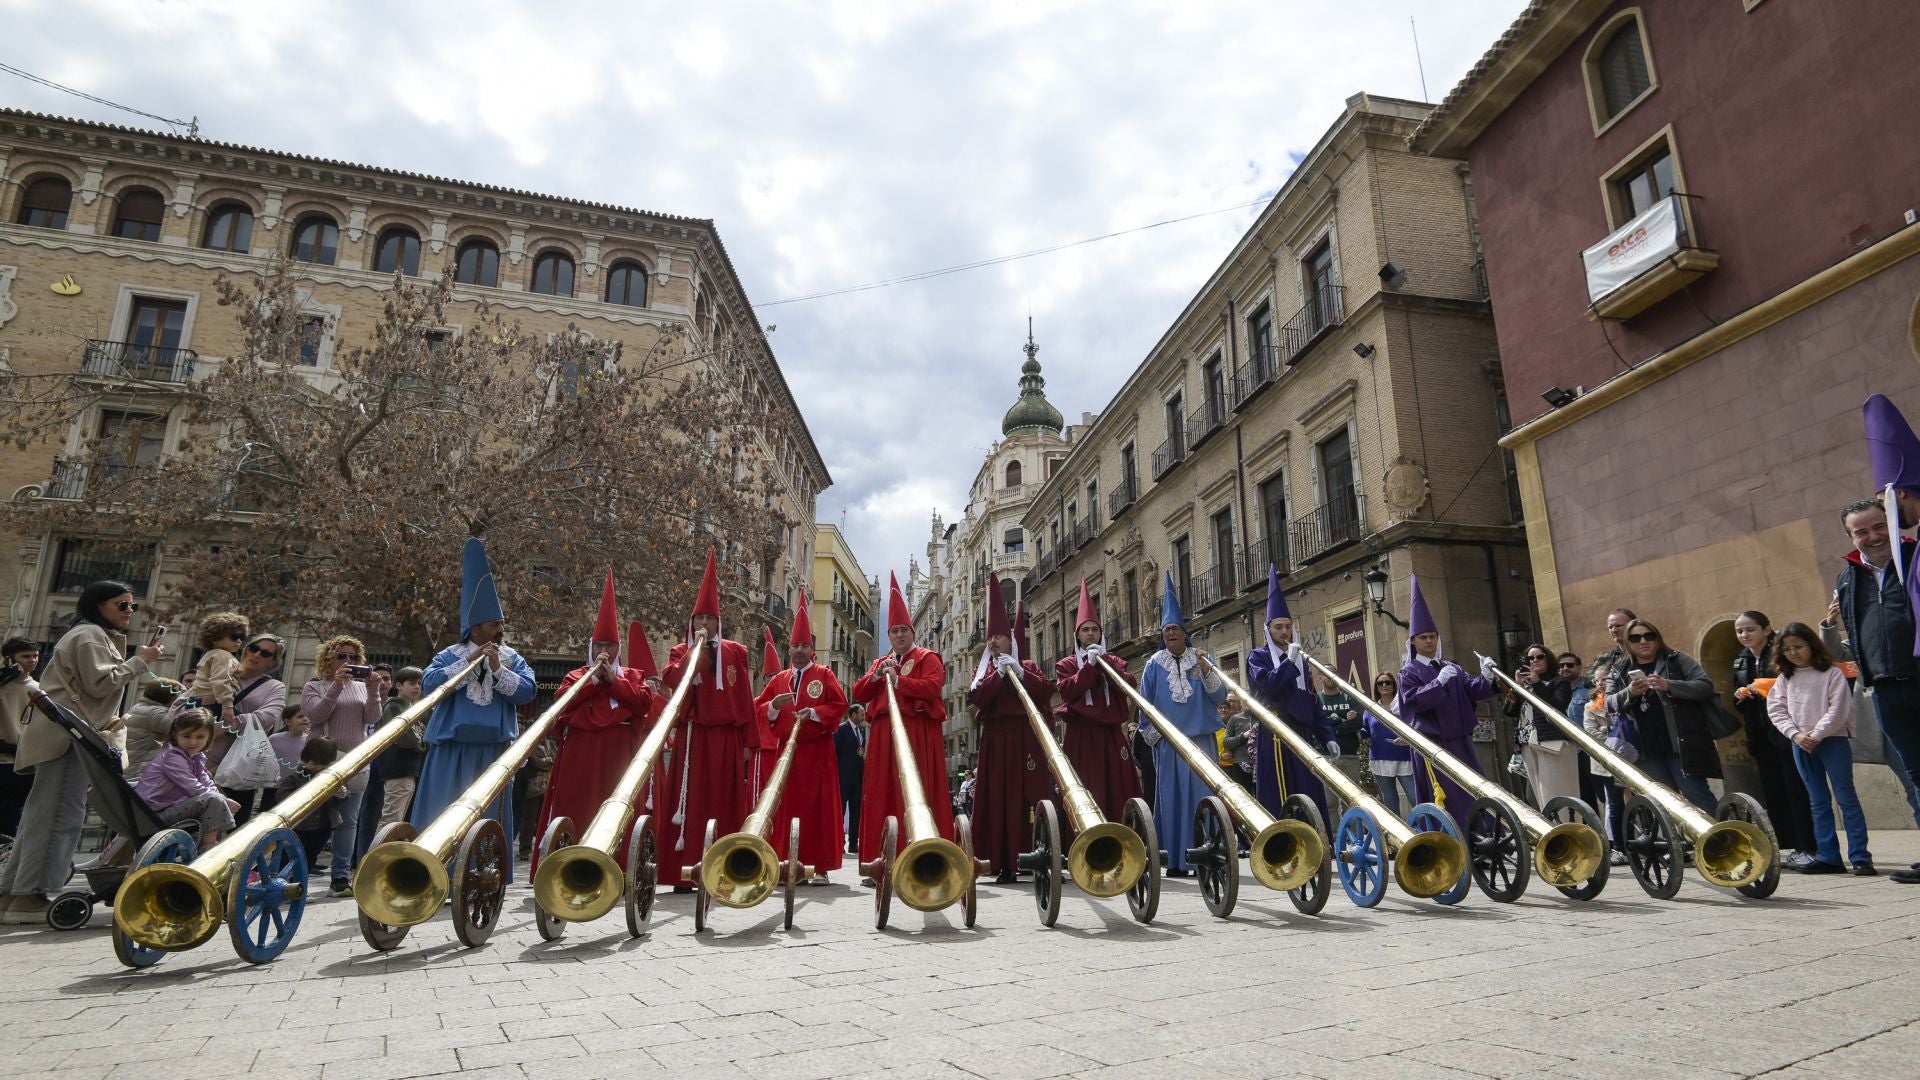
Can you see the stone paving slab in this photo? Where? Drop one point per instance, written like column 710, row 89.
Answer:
column 1817, row 982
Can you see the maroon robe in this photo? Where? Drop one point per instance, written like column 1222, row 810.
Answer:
column 813, row 782
column 710, row 736
column 599, row 734
column 1096, row 743
column 922, row 677
column 1011, row 774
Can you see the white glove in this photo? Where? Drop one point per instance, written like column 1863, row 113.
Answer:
column 1006, row 664
column 1096, row 649
column 1333, row 748
column 1488, row 667
column 1447, row 672
column 1293, row 652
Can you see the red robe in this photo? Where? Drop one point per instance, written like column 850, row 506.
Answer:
column 922, row 676
column 813, row 783
column 763, row 749
column 599, row 734
column 707, row 773
column 1011, row 774
column 1096, row 743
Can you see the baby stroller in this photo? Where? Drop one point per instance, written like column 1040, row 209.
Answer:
column 123, row 811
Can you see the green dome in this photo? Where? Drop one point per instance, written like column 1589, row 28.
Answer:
column 1033, row 413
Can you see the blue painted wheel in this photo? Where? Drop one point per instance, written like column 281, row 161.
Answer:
column 1429, row 818
column 1362, row 858
column 268, row 896
column 166, row 846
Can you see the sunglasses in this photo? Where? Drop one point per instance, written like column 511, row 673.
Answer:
column 1568, row 664
column 128, row 605
column 1639, row 638
column 1538, row 658
column 268, row 653
column 346, row 656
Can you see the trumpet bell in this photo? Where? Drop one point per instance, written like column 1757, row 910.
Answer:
column 1287, row 854
column 740, row 870
column 400, row 883
column 579, row 884
column 1732, row 853
column 931, row 874
column 1107, row 859
column 168, row 906
column 1429, row 864
column 1569, row 854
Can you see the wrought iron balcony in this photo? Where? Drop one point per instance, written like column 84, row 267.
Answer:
column 1334, row 525
column 1657, row 254
column 1117, row 630
column 1258, row 373
column 1206, row 420
column 1266, row 550
column 1169, row 453
column 1326, row 308
column 1122, row 497
column 1220, row 583
column 134, row 360
column 74, row 480
column 1087, row 528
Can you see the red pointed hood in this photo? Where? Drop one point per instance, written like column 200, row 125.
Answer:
column 770, row 657
column 802, row 632
column 997, row 624
column 1086, row 614
column 897, row 613
column 607, row 626
column 708, row 602
column 639, row 653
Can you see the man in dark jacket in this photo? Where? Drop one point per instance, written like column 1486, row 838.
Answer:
column 850, row 749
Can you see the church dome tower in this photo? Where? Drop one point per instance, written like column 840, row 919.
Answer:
column 1033, row 413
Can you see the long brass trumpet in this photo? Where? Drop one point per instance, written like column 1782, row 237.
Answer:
column 402, row 883
column 582, row 881
column 931, row 873
column 172, row 907
column 1567, row 854
column 1731, row 853
column 1426, row 863
column 1105, row 859
column 1285, row 853
column 741, row 868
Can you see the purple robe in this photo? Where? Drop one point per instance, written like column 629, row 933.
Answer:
column 1444, row 713
column 1278, row 688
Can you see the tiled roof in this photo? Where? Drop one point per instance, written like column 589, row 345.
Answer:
column 1494, row 54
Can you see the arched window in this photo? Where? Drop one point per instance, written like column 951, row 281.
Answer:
column 229, row 228
column 1013, row 474
column 316, row 239
column 1618, row 67
column 553, row 273
column 139, row 214
column 46, row 204
column 398, row 249
column 478, row 263
column 627, row 284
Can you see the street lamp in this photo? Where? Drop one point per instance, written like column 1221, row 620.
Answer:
column 1513, row 637
column 1376, row 582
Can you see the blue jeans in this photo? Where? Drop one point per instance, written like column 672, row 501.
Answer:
column 1897, row 764
column 1665, row 769
column 1391, row 788
column 1831, row 765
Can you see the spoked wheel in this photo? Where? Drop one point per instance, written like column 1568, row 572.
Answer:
column 1653, row 847
column 881, row 871
column 1497, row 850
column 379, row 935
column 559, row 834
column 1362, row 859
column 1044, row 861
column 1562, row 809
column 480, row 882
column 969, row 897
column 1144, row 898
column 792, row 874
column 702, row 899
column 269, row 894
column 1308, row 899
column 1216, row 857
column 166, row 846
column 643, row 874
column 1739, row 806
column 1430, row 818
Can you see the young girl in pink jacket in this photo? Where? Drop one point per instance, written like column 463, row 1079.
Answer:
column 1812, row 705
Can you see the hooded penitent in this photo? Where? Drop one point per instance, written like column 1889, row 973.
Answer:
column 897, row 613
column 1895, row 454
column 1419, row 619
column 996, row 627
column 479, row 598
column 708, row 603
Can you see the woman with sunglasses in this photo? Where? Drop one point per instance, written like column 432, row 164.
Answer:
column 259, row 701
column 1666, row 694
column 87, row 672
column 343, row 702
column 1389, row 758
column 1552, row 765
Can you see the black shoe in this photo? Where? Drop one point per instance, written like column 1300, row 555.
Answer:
column 1004, row 877
column 1865, row 869
column 1815, row 866
column 682, row 888
column 1178, row 873
column 1905, row 877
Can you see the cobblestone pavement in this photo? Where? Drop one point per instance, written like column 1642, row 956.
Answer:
column 1816, row 982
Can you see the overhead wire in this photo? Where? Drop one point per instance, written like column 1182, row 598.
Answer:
column 191, row 127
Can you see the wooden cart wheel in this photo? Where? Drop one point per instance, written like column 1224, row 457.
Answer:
column 165, row 846
column 1308, row 899
column 1564, row 808
column 1739, row 806
column 792, row 869
column 882, row 872
column 1363, row 857
column 970, row 896
column 559, row 835
column 1044, row 861
column 1144, row 898
column 480, row 882
column 1654, row 850
column 1216, row 857
column 379, row 935
column 643, row 876
column 268, row 896
column 702, row 899
column 1430, row 818
column 1497, row 850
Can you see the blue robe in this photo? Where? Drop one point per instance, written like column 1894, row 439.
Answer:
column 1177, row 790
column 1278, row 688
column 463, row 737
column 1444, row 713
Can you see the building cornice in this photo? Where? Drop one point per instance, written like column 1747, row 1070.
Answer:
column 1537, row 36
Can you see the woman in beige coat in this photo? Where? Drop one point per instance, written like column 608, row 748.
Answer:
column 87, row 672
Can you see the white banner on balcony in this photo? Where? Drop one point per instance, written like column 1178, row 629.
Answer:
column 1633, row 248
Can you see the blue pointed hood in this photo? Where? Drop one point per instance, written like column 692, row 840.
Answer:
column 1170, row 614
column 479, row 598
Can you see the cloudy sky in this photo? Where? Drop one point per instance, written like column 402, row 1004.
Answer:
column 834, row 145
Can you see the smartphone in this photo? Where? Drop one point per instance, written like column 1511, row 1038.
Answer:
column 158, row 633
column 360, row 671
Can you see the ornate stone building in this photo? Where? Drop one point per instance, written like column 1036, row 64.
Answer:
column 840, row 607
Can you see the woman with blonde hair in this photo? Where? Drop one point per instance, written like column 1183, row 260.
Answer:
column 342, row 702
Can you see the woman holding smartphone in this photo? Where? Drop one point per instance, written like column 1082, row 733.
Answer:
column 343, row 702
column 1666, row 694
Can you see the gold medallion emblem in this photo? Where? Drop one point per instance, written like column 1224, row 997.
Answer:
column 733, row 673
column 906, row 668
column 815, row 688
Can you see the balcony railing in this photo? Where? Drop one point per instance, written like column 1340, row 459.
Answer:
column 1256, row 374
column 1326, row 308
column 776, row 609
column 1329, row 528
column 1122, row 497
column 1220, row 583
column 1169, row 453
column 1647, row 260
column 1266, row 550
column 1206, row 419
column 132, row 360
column 1087, row 528
column 73, row 479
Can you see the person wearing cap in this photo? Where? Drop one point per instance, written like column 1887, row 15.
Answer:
column 918, row 675
column 1277, row 676
column 1095, row 712
column 600, row 731
column 1436, row 699
column 711, row 732
column 803, row 702
column 1188, row 694
column 471, row 727
column 1010, row 774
